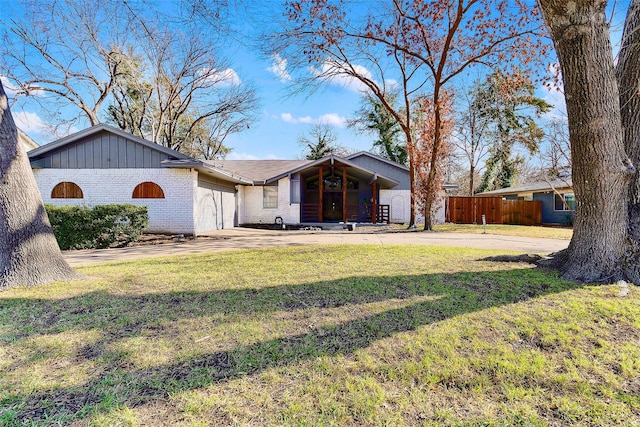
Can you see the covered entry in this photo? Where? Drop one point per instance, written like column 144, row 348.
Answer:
column 335, row 190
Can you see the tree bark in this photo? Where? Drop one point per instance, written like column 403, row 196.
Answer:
column 29, row 252
column 628, row 75
column 601, row 168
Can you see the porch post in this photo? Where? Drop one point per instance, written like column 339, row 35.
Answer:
column 320, row 195
column 344, row 194
column 374, row 200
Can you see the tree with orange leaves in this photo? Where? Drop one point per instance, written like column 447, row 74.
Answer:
column 416, row 48
column 422, row 152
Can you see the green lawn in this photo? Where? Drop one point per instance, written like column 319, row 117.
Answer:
column 320, row 335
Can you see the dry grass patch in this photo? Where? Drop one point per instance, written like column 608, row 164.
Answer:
column 561, row 233
column 320, row 335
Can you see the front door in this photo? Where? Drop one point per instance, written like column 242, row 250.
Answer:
column 332, row 206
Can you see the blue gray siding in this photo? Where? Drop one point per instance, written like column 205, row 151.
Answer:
column 103, row 150
column 549, row 214
column 399, row 173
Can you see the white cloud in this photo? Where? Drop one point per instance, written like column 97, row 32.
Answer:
column 8, row 88
column 38, row 129
column 12, row 90
column 230, row 77
column 331, row 119
column 553, row 94
column 556, row 98
column 224, row 78
column 279, row 68
column 332, row 72
column 32, row 124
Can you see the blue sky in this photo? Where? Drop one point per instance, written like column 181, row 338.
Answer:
column 282, row 118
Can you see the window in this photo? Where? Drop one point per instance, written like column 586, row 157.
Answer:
column 294, row 189
column 269, row 197
column 566, row 202
column 332, row 182
column 66, row 190
column 148, row 190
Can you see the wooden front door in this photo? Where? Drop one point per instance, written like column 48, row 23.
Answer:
column 332, row 206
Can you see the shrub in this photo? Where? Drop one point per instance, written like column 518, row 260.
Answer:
column 80, row 227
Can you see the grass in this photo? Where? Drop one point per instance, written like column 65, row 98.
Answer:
column 320, row 335
column 562, row 233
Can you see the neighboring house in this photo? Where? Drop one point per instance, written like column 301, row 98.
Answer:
column 558, row 200
column 103, row 165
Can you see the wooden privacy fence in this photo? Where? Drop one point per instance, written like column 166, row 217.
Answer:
column 469, row 210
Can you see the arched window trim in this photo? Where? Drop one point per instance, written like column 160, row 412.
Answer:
column 67, row 190
column 147, row 190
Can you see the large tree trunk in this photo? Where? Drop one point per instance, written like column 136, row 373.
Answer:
column 628, row 74
column 601, row 168
column 29, row 252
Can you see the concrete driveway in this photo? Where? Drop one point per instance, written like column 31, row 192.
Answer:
column 243, row 238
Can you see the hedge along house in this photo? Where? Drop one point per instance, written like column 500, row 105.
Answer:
column 558, row 200
column 104, row 165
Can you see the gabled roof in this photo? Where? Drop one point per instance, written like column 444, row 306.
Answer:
column 207, row 169
column 332, row 159
column 269, row 171
column 376, row 157
column 257, row 171
column 174, row 159
column 60, row 143
column 557, row 183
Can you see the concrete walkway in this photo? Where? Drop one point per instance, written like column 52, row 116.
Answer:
column 243, row 238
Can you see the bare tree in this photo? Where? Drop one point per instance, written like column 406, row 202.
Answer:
column 62, row 53
column 178, row 95
column 471, row 139
column 162, row 81
column 320, row 141
column 29, row 252
column 556, row 158
column 422, row 46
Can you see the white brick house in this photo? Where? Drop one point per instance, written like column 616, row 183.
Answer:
column 103, row 165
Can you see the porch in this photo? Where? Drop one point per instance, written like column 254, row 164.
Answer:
column 356, row 213
column 333, row 192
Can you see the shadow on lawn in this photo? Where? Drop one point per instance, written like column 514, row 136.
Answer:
column 119, row 382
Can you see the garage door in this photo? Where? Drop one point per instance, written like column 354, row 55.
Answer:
column 215, row 206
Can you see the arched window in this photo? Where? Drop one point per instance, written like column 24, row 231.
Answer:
column 66, row 190
column 148, row 190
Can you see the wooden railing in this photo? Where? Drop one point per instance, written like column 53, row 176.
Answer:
column 310, row 212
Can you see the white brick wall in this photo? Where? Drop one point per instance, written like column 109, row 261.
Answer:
column 399, row 202
column 401, row 213
column 251, row 209
column 173, row 214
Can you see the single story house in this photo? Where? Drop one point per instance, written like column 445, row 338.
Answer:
column 558, row 200
column 103, row 165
